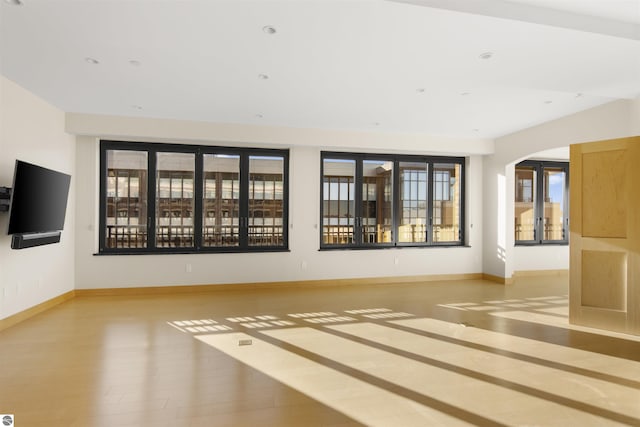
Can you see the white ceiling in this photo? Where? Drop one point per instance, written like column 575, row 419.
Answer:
column 372, row 65
column 616, row 10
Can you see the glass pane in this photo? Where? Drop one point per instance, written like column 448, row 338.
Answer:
column 174, row 200
column 525, row 203
column 413, row 202
column 266, row 211
column 134, row 186
column 221, row 204
column 339, row 204
column 554, row 186
column 377, row 201
column 126, row 222
column 164, row 186
column 446, row 202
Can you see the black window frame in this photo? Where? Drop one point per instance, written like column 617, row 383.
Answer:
column 152, row 148
column 430, row 161
column 539, row 167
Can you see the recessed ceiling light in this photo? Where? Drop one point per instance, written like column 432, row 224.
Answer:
column 259, row 116
column 263, row 76
column 465, row 93
column 548, row 101
column 91, row 61
column 136, row 107
column 14, row 2
column 420, row 90
column 579, row 95
column 376, row 123
column 269, row 29
column 135, row 63
column 486, row 55
column 476, row 130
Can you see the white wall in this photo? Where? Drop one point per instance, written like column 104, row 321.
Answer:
column 614, row 120
column 180, row 131
column 304, row 261
column 635, row 117
column 33, row 130
column 543, row 257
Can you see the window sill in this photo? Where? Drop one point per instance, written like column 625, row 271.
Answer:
column 368, row 248
column 525, row 244
column 191, row 252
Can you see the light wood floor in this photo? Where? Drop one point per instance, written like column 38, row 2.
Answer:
column 450, row 353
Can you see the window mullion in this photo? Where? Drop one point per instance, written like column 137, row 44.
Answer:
column 565, row 214
column 285, row 197
column 102, row 238
column 396, row 212
column 463, row 204
column 151, row 199
column 358, row 182
column 198, row 194
column 430, row 196
column 243, row 217
column 539, row 213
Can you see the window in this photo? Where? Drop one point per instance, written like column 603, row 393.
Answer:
column 338, row 201
column 375, row 201
column 414, row 205
column 221, row 201
column 125, row 201
column 266, row 201
column 541, row 203
column 446, row 202
column 175, row 200
column 180, row 198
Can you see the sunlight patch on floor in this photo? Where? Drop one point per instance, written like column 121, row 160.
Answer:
column 490, row 400
column 361, row 401
column 382, row 367
column 575, row 357
column 534, row 304
column 553, row 381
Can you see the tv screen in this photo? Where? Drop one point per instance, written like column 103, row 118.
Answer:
column 39, row 199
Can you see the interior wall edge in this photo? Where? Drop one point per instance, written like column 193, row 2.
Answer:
column 162, row 290
column 35, row 310
column 532, row 273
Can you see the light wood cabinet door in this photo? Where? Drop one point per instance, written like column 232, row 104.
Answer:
column 604, row 290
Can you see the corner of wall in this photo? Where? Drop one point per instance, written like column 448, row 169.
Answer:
column 33, row 130
column 609, row 121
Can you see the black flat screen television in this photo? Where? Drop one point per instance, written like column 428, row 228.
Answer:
column 38, row 200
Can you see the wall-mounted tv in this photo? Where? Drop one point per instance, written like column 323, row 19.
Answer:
column 38, row 200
